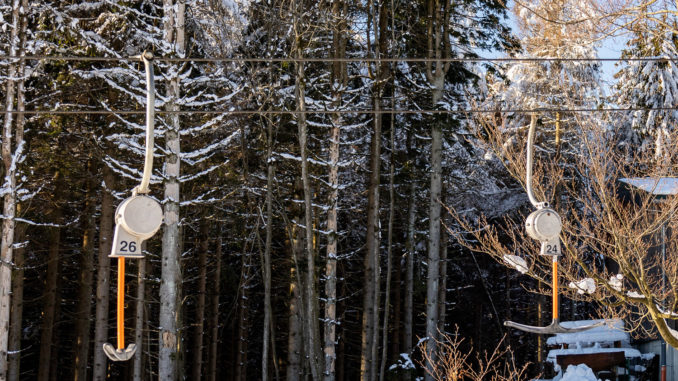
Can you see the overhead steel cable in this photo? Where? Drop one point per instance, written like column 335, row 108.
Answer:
column 348, row 59
column 306, row 112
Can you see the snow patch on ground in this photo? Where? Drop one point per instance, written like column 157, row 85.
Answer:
column 579, row 372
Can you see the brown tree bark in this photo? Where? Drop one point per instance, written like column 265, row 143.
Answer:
column 84, row 305
column 10, row 155
column 199, row 323
column 49, row 310
column 309, row 290
column 442, row 292
column 389, row 253
column 103, row 275
column 16, row 313
column 268, row 341
column 214, row 314
column 410, row 248
column 16, row 309
column 370, row 323
column 140, row 319
column 436, row 70
column 338, row 81
column 295, row 340
column 169, row 364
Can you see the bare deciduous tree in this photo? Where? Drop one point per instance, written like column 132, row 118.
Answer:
column 453, row 361
column 612, row 228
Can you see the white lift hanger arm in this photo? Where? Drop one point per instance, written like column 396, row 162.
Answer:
column 530, row 160
column 143, row 188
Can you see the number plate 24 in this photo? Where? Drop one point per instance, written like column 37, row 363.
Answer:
column 551, row 247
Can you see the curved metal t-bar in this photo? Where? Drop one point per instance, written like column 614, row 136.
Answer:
column 552, row 328
column 555, row 326
column 147, row 58
column 530, row 154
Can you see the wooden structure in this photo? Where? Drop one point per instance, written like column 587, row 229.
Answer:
column 596, row 361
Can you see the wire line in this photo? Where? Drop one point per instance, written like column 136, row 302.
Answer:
column 306, row 112
column 330, row 60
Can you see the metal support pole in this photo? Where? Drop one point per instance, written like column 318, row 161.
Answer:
column 662, row 341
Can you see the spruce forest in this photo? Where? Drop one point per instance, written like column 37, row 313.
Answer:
column 343, row 184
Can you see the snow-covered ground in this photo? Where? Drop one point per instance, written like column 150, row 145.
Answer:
column 579, row 372
column 609, row 337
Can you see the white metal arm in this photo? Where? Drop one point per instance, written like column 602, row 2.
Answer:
column 530, row 154
column 147, row 58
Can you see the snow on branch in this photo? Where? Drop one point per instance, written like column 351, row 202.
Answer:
column 208, row 149
column 584, row 286
column 517, row 263
column 194, row 176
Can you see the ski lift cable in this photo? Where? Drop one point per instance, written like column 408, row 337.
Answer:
column 344, row 60
column 343, row 111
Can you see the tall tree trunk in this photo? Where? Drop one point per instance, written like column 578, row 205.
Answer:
column 370, row 324
column 83, row 309
column 331, row 262
column 442, row 292
column 397, row 309
column 410, row 249
column 243, row 318
column 389, row 252
column 49, row 311
column 341, row 358
column 309, row 292
column 103, row 275
column 438, row 48
column 214, row 314
column 56, row 372
column 371, row 258
column 268, row 341
column 433, row 276
column 9, row 158
column 140, row 319
column 16, row 314
column 246, row 276
column 169, row 362
column 395, row 336
column 296, row 348
column 338, row 80
column 199, row 323
column 294, row 339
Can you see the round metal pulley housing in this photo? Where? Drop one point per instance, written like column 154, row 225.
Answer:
column 543, row 224
column 140, row 216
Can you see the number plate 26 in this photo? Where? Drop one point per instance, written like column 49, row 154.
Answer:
column 125, row 244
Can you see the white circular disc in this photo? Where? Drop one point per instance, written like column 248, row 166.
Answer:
column 140, row 216
column 543, row 224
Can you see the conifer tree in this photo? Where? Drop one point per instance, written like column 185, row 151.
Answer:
column 649, row 84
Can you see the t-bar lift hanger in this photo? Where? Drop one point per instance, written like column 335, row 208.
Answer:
column 137, row 219
column 544, row 225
